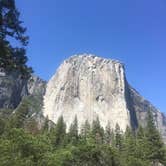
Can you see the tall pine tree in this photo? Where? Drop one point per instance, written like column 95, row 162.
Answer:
column 73, row 132
column 97, row 131
column 118, row 137
column 85, row 130
column 108, row 134
column 156, row 152
column 12, row 58
column 59, row 132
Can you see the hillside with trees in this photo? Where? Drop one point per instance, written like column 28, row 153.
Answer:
column 27, row 145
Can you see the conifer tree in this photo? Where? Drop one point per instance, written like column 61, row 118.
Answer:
column 85, row 130
column 108, row 134
column 118, row 137
column 141, row 143
column 129, row 141
column 156, row 152
column 46, row 125
column 73, row 132
column 21, row 114
column 2, row 125
column 12, row 58
column 59, row 132
column 97, row 131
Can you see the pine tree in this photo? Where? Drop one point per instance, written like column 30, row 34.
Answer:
column 156, row 152
column 2, row 126
column 129, row 146
column 108, row 134
column 73, row 132
column 20, row 115
column 85, row 130
column 141, row 143
column 12, row 58
column 45, row 127
column 97, row 131
column 130, row 141
column 118, row 137
column 59, row 132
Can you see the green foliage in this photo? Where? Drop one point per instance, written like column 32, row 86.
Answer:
column 141, row 144
column 118, row 138
column 55, row 147
column 73, row 132
column 108, row 134
column 58, row 134
column 155, row 146
column 46, row 125
column 2, row 126
column 12, row 58
column 97, row 131
column 20, row 114
column 85, row 130
column 20, row 148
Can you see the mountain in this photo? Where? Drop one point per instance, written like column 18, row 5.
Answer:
column 13, row 88
column 16, row 91
column 88, row 87
column 85, row 86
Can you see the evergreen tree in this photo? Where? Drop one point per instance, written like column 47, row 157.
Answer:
column 12, row 58
column 129, row 146
column 59, row 132
column 129, row 141
column 108, row 134
column 118, row 137
column 156, row 152
column 73, row 132
column 45, row 127
column 17, row 120
column 85, row 130
column 2, row 126
column 97, row 131
column 141, row 144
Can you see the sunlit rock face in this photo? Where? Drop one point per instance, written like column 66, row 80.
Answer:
column 88, row 87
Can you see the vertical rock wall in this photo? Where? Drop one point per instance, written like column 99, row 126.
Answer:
column 88, row 87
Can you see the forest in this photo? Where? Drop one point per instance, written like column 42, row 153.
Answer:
column 26, row 145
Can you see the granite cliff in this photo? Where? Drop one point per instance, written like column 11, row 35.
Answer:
column 85, row 86
column 88, row 87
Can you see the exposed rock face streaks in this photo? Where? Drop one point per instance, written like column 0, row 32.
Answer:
column 85, row 86
column 88, row 87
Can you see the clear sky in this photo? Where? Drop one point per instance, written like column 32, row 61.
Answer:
column 132, row 31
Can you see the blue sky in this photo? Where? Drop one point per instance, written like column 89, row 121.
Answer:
column 132, row 31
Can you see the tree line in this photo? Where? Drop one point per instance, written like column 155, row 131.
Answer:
column 26, row 144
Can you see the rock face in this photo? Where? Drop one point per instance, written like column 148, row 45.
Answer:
column 85, row 86
column 13, row 88
column 140, row 106
column 88, row 87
